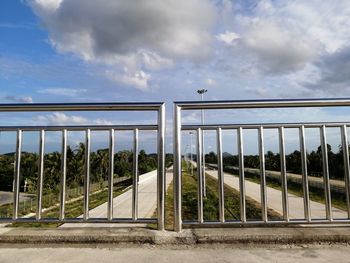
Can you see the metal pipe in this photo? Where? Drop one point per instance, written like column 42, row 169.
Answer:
column 307, row 211
column 345, row 147
column 81, row 128
column 161, row 174
column 40, row 174
column 241, row 175
column 285, row 205
column 262, row 175
column 87, row 174
column 110, row 175
column 177, row 169
column 220, row 176
column 135, row 187
column 17, row 174
column 327, row 188
column 249, row 104
column 63, row 175
column 264, row 125
column 199, row 177
column 127, row 106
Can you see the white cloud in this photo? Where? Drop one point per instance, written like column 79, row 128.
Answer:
column 112, row 31
column 137, row 79
column 62, row 91
column 18, row 99
column 282, row 37
column 61, row 119
column 228, row 37
column 58, row 118
column 210, row 82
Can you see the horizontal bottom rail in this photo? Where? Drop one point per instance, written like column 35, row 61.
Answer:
column 79, row 220
column 292, row 222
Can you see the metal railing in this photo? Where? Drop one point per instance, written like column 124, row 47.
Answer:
column 159, row 127
column 251, row 104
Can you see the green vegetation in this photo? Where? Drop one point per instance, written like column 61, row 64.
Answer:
column 75, row 208
column 293, row 162
column 210, row 202
column 99, row 164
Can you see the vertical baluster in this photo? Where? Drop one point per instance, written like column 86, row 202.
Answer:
column 283, row 175
column 307, row 211
column 87, row 174
column 327, row 187
column 220, row 176
column 241, row 175
column 200, row 175
column 40, row 174
column 345, row 147
column 17, row 174
column 262, row 175
column 110, row 175
column 161, row 176
column 63, row 175
column 135, row 176
column 177, row 170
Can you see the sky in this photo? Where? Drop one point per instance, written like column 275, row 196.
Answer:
column 164, row 50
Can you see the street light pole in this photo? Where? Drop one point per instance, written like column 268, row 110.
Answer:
column 191, row 133
column 201, row 92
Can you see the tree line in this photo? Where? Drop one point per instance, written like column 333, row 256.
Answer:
column 99, row 165
column 293, row 161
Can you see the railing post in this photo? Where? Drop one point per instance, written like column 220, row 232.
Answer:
column 241, row 175
column 262, row 175
column 161, row 174
column 220, row 176
column 345, row 147
column 177, row 169
column 327, row 188
column 17, row 174
column 283, row 175
column 135, row 187
column 87, row 174
column 41, row 174
column 110, row 175
column 199, row 176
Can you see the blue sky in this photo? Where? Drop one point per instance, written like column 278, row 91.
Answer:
column 164, row 50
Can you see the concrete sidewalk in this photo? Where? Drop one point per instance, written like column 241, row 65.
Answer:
column 189, row 237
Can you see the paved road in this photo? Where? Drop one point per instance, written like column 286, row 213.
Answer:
column 7, row 197
column 177, row 254
column 122, row 204
column 274, row 199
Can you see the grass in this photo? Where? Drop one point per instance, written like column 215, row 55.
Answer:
column 210, row 203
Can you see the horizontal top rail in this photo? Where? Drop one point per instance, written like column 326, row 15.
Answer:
column 276, row 103
column 80, row 127
column 112, row 106
column 265, row 125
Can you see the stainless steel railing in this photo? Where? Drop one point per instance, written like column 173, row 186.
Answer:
column 249, row 104
column 159, row 127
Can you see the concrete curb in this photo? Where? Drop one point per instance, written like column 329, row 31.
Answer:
column 296, row 235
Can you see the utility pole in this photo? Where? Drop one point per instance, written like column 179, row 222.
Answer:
column 201, row 92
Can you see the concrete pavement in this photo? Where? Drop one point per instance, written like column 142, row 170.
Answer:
column 274, row 199
column 122, row 204
column 318, row 254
